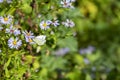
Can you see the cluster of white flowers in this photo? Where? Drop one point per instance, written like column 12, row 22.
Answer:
column 8, row 1
column 44, row 25
column 13, row 30
column 16, row 43
column 67, row 3
column 16, row 40
column 29, row 36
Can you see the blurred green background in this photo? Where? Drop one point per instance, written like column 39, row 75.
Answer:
column 95, row 50
column 99, row 26
column 91, row 53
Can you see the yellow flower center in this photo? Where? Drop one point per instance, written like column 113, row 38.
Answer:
column 28, row 34
column 44, row 24
column 6, row 19
column 14, row 42
column 30, row 40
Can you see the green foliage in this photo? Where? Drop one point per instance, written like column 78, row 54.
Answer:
column 88, row 51
column 70, row 42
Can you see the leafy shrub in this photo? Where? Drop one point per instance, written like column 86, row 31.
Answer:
column 59, row 40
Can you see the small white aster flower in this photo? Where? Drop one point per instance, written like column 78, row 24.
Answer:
column 68, row 23
column 40, row 40
column 0, row 50
column 55, row 23
column 45, row 24
column 71, row 6
column 73, row 0
column 28, row 34
column 1, row 1
column 6, row 19
column 67, row 3
column 13, row 30
column 29, row 40
column 14, row 43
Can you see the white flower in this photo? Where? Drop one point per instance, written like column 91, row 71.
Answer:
column 55, row 23
column 68, row 23
column 45, row 24
column 13, row 30
column 1, row 1
column 67, row 4
column 28, row 34
column 14, row 43
column 6, row 19
column 73, row 0
column 40, row 40
column 29, row 40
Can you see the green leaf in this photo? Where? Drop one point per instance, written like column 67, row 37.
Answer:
column 78, row 59
column 26, row 8
column 69, row 42
column 88, row 77
column 75, row 75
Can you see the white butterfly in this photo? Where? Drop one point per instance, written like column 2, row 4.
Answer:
column 40, row 40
